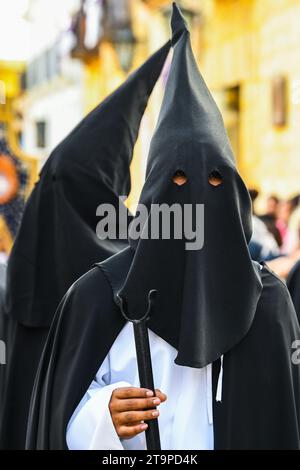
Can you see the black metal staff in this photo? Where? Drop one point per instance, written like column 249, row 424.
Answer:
column 144, row 363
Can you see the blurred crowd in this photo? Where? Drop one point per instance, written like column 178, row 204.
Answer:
column 276, row 232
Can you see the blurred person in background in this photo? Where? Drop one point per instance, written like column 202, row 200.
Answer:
column 272, row 205
column 269, row 218
column 292, row 232
column 263, row 245
column 289, row 223
column 285, row 211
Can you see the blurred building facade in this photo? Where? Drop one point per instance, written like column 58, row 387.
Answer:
column 252, row 55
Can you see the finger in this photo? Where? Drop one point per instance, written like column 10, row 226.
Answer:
column 162, row 396
column 138, row 423
column 127, row 432
column 131, row 417
column 132, row 392
column 135, row 404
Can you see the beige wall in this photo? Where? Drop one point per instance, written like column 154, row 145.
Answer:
column 247, row 43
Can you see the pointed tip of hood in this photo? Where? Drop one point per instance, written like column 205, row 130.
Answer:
column 189, row 112
column 178, row 23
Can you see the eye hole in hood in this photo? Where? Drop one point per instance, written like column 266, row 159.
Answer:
column 179, row 178
column 215, row 178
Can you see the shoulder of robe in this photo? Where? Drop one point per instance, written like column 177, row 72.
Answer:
column 90, row 293
column 275, row 307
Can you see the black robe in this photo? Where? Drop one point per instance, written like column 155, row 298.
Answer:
column 260, row 406
column 293, row 283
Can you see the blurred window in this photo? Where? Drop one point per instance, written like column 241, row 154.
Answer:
column 279, row 101
column 41, row 131
column 117, row 14
column 43, row 68
column 2, row 92
column 52, row 60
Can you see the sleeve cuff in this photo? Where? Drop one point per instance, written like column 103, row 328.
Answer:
column 92, row 428
column 105, row 436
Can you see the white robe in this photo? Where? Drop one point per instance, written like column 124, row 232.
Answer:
column 186, row 418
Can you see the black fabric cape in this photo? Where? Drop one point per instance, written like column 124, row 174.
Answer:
column 293, row 283
column 57, row 239
column 260, row 406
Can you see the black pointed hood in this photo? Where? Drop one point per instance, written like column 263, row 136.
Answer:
column 57, row 239
column 103, row 142
column 206, row 298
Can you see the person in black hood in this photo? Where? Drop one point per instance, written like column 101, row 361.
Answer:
column 221, row 328
column 57, row 240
